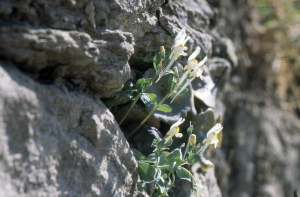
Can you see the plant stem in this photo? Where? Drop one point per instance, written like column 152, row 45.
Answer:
column 173, row 181
column 136, row 99
column 186, row 148
column 157, row 154
column 192, row 177
column 174, row 163
column 148, row 116
column 116, row 101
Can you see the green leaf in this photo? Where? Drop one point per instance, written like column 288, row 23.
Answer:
column 192, row 158
column 190, row 129
column 155, row 141
column 151, row 157
column 179, row 162
column 161, row 144
column 169, row 72
column 176, row 153
column 164, row 176
column 183, row 173
column 169, row 142
column 153, row 98
column 164, row 161
column 167, row 59
column 189, row 148
column 196, row 189
column 197, row 148
column 156, row 62
column 146, row 99
column 137, row 154
column 161, row 185
column 147, row 171
column 147, row 81
column 128, row 87
column 142, row 186
column 168, row 182
column 183, row 91
column 157, row 194
column 140, row 84
column 171, row 82
column 164, row 108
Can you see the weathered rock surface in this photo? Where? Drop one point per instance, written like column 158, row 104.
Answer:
column 260, row 152
column 59, row 143
column 68, row 144
column 263, row 146
column 60, row 140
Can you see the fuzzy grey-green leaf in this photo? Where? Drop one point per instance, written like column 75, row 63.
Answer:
column 147, row 171
column 183, row 173
column 146, row 99
column 192, row 158
column 164, row 108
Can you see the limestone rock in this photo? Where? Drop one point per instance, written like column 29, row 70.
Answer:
column 264, row 149
column 55, row 139
column 57, row 143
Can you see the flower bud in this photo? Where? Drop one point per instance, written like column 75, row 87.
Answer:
column 175, row 70
column 192, row 140
column 162, row 51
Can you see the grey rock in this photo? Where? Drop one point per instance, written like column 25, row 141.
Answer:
column 144, row 139
column 211, row 187
column 262, row 148
column 89, row 47
column 205, row 90
column 58, row 143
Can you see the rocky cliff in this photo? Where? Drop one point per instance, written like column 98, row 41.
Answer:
column 62, row 60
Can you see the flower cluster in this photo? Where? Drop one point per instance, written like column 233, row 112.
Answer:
column 192, row 69
column 161, row 166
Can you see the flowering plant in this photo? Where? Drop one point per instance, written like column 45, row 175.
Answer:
column 161, row 166
column 176, row 84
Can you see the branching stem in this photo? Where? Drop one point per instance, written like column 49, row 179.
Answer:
column 137, row 98
column 149, row 115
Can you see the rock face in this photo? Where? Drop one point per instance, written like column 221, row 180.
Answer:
column 264, row 147
column 260, row 152
column 58, row 143
column 59, row 58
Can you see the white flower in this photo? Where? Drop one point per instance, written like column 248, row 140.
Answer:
column 192, row 62
column 211, row 137
column 174, row 130
column 178, row 50
column 181, row 38
column 197, row 72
